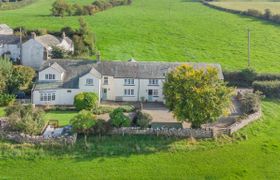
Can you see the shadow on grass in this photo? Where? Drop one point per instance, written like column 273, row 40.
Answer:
column 113, row 146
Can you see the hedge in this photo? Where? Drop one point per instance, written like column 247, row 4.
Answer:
column 270, row 89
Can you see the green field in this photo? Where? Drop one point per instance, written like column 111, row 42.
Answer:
column 244, row 6
column 165, row 30
column 139, row 157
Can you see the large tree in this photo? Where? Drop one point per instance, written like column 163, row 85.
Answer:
column 196, row 95
column 83, row 122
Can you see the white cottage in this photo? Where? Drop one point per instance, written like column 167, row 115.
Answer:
column 10, row 46
column 60, row 80
column 38, row 49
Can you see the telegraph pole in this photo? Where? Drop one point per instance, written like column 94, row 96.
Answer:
column 249, row 46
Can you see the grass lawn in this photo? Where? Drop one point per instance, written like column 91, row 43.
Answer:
column 2, row 112
column 62, row 116
column 138, row 157
column 164, row 30
column 244, row 6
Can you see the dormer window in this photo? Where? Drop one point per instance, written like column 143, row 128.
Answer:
column 128, row 82
column 89, row 82
column 50, row 76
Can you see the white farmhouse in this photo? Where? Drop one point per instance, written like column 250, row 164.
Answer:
column 5, row 29
column 10, row 46
column 60, row 80
column 38, row 49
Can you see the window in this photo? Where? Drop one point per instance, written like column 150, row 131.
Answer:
column 49, row 76
column 106, row 81
column 47, row 96
column 153, row 81
column 129, row 92
column 155, row 92
column 89, row 82
column 129, row 81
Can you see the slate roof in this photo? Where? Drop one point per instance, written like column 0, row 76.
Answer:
column 48, row 40
column 9, row 39
column 74, row 69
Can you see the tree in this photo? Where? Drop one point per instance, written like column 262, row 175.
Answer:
column 60, row 7
column 196, row 95
column 86, row 100
column 6, row 69
column 58, row 52
column 267, row 14
column 21, row 79
column 118, row 119
column 25, row 119
column 87, row 36
column 143, row 119
column 83, row 122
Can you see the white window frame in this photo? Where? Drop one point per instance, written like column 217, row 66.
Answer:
column 129, row 81
column 47, row 97
column 89, row 82
column 129, row 92
column 106, row 81
column 154, row 82
column 50, row 76
column 155, row 93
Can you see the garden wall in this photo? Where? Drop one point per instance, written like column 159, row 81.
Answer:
column 187, row 132
column 24, row 138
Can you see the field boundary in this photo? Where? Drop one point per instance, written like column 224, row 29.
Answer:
column 240, row 12
column 15, row 5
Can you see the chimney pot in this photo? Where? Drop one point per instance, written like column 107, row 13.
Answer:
column 33, row 35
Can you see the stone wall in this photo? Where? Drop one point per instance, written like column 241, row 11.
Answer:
column 187, row 132
column 244, row 122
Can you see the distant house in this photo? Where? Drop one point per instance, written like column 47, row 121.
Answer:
column 60, row 80
column 38, row 49
column 5, row 29
column 10, row 46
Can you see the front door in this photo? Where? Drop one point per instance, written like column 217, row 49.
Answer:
column 104, row 94
column 150, row 95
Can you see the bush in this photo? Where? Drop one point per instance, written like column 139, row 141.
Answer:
column 58, row 53
column 253, row 12
column 143, row 119
column 101, row 127
column 7, row 99
column 86, row 100
column 127, row 108
column 25, row 119
column 267, row 77
column 118, row 119
column 103, row 110
column 270, row 89
column 250, row 102
column 243, row 78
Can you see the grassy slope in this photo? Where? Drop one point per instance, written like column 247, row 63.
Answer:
column 158, row 158
column 147, row 31
column 243, row 6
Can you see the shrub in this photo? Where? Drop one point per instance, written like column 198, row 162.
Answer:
column 58, row 53
column 127, row 108
column 270, row 89
column 7, row 99
column 86, row 100
column 253, row 12
column 103, row 110
column 101, row 127
column 25, row 119
column 250, row 102
column 143, row 119
column 267, row 77
column 119, row 119
column 243, row 78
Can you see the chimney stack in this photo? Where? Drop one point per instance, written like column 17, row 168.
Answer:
column 63, row 35
column 98, row 56
column 33, row 35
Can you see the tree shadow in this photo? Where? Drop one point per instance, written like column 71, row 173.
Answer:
column 113, row 147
